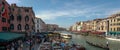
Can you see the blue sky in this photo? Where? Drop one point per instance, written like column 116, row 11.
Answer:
column 66, row 12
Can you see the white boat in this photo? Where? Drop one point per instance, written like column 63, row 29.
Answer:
column 66, row 35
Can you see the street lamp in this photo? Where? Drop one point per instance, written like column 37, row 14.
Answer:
column 107, row 28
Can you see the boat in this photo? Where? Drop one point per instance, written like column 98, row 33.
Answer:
column 66, row 35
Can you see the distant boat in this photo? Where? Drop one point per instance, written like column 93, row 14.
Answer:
column 66, row 35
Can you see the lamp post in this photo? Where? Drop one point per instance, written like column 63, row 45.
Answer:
column 107, row 27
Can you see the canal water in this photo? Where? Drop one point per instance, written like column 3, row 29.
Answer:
column 79, row 39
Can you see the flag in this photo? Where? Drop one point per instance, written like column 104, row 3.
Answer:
column 3, row 11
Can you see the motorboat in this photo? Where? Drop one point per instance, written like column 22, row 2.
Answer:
column 66, row 35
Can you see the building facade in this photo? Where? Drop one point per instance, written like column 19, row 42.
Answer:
column 21, row 19
column 4, row 16
column 40, row 25
column 87, row 25
column 114, row 22
column 95, row 24
column 52, row 27
column 102, row 25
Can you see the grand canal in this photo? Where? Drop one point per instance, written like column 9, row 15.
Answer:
column 79, row 39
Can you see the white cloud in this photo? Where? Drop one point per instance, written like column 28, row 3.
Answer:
column 13, row 1
column 54, row 14
column 69, row 11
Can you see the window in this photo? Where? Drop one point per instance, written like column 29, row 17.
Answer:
column 3, row 3
column 111, row 29
column 111, row 24
column 37, row 26
column 26, row 18
column 102, row 27
column 26, row 10
column 26, row 27
column 3, row 19
column 0, row 14
column 4, row 28
column 118, row 29
column 118, row 19
column 19, row 17
column 114, row 29
column 11, row 17
column 11, row 27
column 118, row 23
column 9, row 8
column 19, row 26
column 8, row 21
column 13, row 9
column 32, row 27
column 19, row 10
column 37, row 21
column 114, row 20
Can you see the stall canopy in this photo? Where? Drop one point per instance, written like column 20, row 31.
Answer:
column 114, row 33
column 118, row 33
column 98, row 32
column 8, row 36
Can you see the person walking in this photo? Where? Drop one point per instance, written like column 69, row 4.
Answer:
column 107, row 44
column 63, row 45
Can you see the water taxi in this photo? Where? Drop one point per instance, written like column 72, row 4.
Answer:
column 66, row 35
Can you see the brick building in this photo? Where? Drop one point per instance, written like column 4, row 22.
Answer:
column 21, row 19
column 4, row 15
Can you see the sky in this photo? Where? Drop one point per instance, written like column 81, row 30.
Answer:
column 66, row 12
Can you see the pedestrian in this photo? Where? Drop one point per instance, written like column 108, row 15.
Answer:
column 12, row 46
column 107, row 43
column 33, row 47
column 62, row 45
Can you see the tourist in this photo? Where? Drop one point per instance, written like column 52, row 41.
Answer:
column 107, row 43
column 16, row 46
column 8, row 47
column 62, row 45
column 12, row 46
column 33, row 47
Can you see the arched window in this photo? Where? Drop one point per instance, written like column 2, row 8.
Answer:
column 11, row 27
column 26, row 18
column 26, row 27
column 11, row 17
column 19, row 18
column 19, row 27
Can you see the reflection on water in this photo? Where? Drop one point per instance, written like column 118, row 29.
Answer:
column 78, row 39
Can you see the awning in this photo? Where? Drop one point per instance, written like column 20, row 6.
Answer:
column 114, row 33
column 8, row 36
column 118, row 33
column 97, row 32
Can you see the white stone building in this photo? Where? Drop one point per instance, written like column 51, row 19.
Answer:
column 39, row 25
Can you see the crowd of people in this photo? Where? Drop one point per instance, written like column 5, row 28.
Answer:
column 21, row 44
